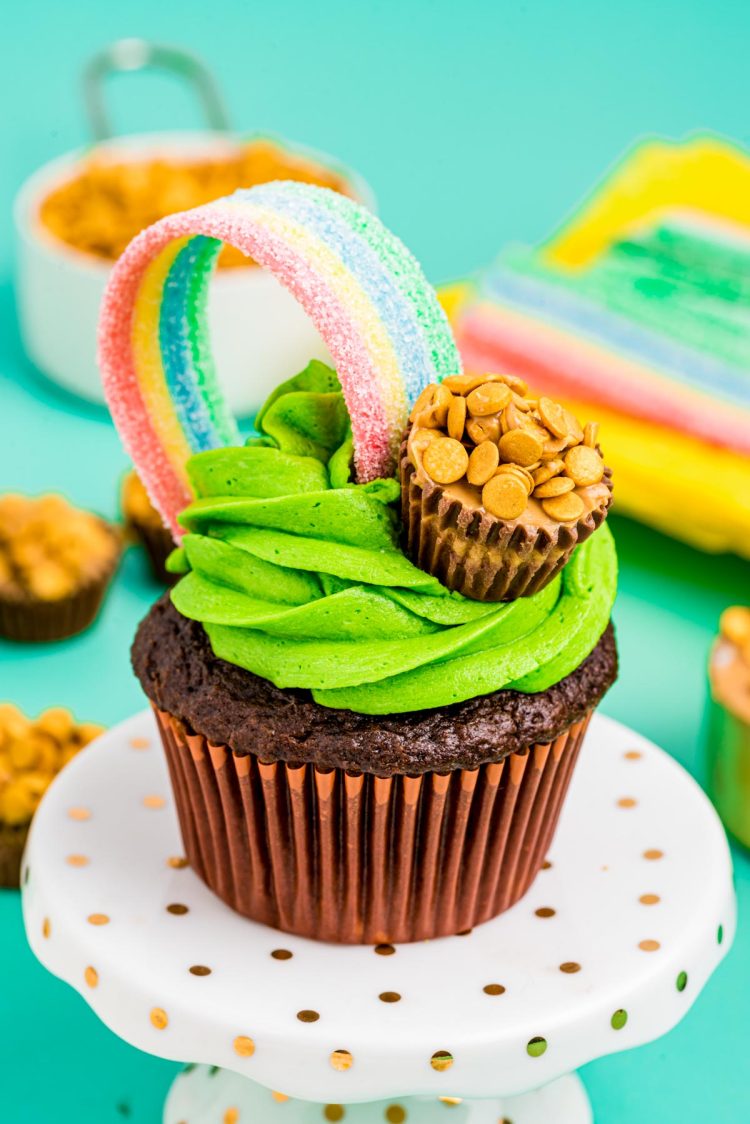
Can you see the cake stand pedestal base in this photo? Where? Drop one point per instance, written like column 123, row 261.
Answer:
column 208, row 1095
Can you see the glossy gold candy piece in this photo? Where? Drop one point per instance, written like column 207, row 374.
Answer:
column 504, row 496
column 548, row 470
column 584, row 466
column 519, row 472
column 483, row 429
column 574, row 427
column 490, row 398
column 519, row 446
column 565, row 508
column 556, row 486
column 553, row 416
column 445, row 461
column 515, row 382
column 457, row 417
column 482, row 463
column 431, row 408
column 591, row 434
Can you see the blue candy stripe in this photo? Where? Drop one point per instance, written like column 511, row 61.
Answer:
column 681, row 365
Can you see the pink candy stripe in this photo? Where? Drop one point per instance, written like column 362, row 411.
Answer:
column 120, row 378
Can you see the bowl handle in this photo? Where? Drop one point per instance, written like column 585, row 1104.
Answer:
column 139, row 54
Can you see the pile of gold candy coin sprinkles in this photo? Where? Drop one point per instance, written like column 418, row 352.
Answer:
column 485, row 431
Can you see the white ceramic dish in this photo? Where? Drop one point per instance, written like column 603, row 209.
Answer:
column 260, row 335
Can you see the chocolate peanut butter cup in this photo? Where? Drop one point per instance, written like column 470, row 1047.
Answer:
column 498, row 488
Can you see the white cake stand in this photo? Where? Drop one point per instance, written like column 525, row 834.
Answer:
column 608, row 950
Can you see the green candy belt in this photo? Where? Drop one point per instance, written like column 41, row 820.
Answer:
column 297, row 576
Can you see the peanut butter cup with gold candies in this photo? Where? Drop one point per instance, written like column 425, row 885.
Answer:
column 496, row 503
column 55, row 564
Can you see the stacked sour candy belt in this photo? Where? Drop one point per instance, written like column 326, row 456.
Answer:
column 637, row 312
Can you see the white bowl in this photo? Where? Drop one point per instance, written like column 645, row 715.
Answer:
column 259, row 334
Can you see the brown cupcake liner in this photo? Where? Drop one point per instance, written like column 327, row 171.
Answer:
column 35, row 621
column 12, row 844
column 158, row 545
column 477, row 554
column 361, row 859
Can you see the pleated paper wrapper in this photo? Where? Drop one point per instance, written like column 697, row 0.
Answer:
column 361, row 859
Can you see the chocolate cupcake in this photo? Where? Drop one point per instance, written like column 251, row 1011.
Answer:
column 357, row 752
column 144, row 525
column 498, row 488
column 56, row 562
column 729, row 721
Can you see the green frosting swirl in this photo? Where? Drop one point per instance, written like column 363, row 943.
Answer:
column 296, row 574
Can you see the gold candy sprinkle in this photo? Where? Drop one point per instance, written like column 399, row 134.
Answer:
column 556, row 486
column 483, row 429
column 591, row 434
column 584, row 466
column 446, row 461
column 519, row 446
column 564, row 508
column 457, row 418
column 483, row 461
column 553, row 416
column 546, row 471
column 504, row 496
column 490, row 398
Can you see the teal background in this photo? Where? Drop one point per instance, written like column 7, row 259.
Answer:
column 476, row 123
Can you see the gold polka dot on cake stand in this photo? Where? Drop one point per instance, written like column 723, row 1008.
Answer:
column 546, row 865
column 154, row 801
column 649, row 946
column 244, row 1047
column 633, row 755
column 384, row 950
column 389, row 997
column 282, row 954
column 545, row 911
column 231, row 1116
column 98, row 919
column 341, row 1060
column 199, row 970
column 91, row 976
column 451, row 1102
column 140, row 743
column 653, row 854
column 441, row 1060
column 78, row 860
column 280, row 1098
column 395, row 1114
column 649, row 899
column 79, row 814
column 493, row 989
column 570, row 967
column 46, row 928
column 308, row 1016
column 159, row 1018
column 177, row 909
column 627, row 802
column 177, row 862
column 334, row 1112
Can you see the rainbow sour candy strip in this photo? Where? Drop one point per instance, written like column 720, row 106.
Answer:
column 360, row 286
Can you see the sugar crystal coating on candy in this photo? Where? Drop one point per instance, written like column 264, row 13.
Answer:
column 362, row 289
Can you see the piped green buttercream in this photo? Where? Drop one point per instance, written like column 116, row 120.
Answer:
column 297, row 575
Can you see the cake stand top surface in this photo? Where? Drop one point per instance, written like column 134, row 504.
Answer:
column 607, row 950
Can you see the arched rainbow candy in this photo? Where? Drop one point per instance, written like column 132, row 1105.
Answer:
column 361, row 287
